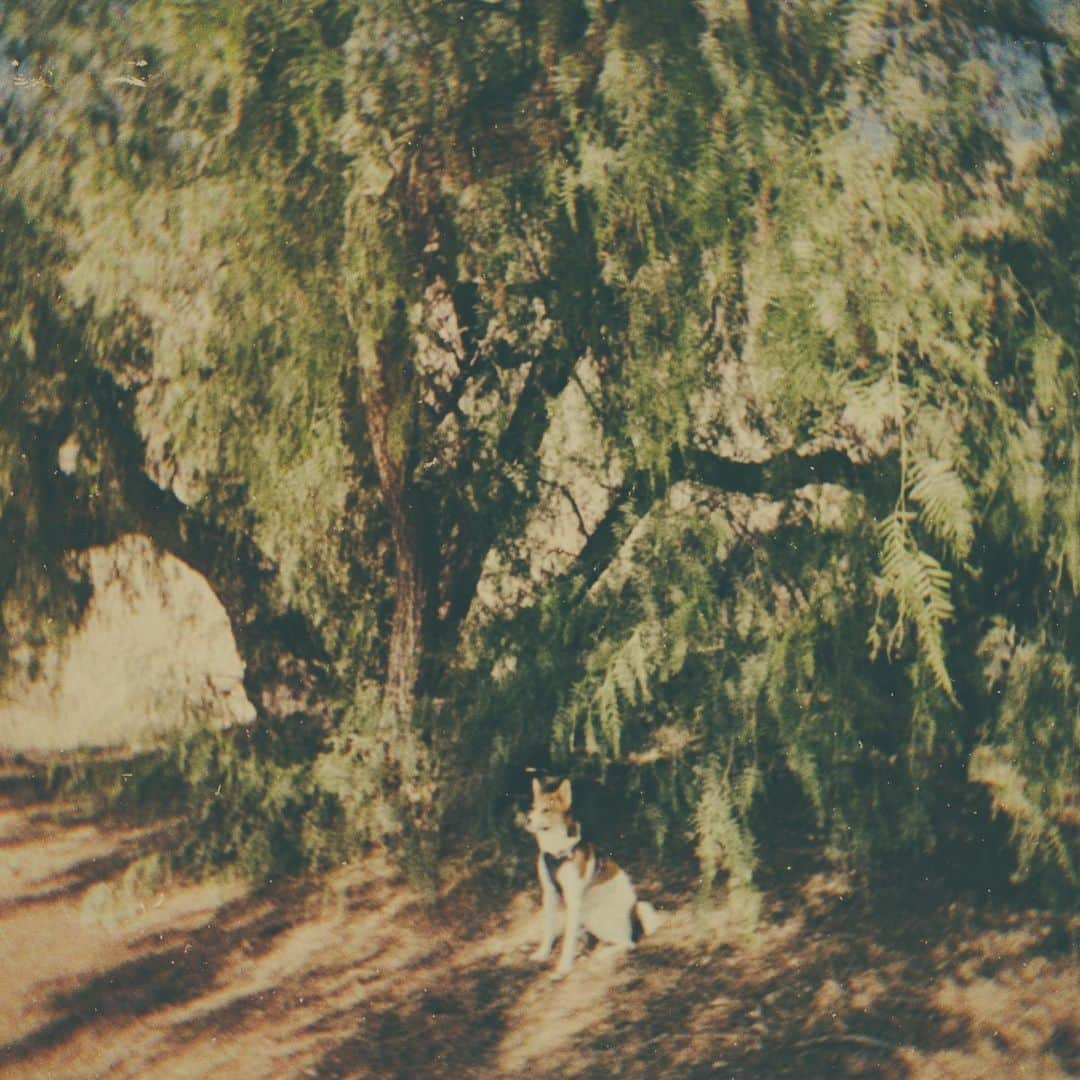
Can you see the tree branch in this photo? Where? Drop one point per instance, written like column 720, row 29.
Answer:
column 519, row 442
column 777, row 478
column 281, row 650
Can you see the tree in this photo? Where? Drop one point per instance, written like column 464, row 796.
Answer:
column 792, row 276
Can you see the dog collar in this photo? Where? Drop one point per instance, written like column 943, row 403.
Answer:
column 554, row 859
column 559, row 857
column 572, row 841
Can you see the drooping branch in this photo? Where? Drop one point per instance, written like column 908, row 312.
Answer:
column 283, row 655
column 777, row 478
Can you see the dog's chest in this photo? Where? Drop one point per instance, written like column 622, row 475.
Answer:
column 590, row 865
column 553, row 864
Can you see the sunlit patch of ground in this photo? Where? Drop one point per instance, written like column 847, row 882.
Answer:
column 1018, row 1004
column 155, row 648
column 107, row 971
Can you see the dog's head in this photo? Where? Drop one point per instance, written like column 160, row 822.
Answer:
column 550, row 808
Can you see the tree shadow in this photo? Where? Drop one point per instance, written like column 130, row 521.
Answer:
column 22, row 784
column 453, row 1030
column 79, row 877
column 380, row 984
column 686, row 1012
column 802, row 1008
column 169, row 976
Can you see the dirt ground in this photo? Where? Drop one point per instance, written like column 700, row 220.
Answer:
column 106, row 971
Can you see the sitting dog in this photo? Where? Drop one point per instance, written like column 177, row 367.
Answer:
column 596, row 893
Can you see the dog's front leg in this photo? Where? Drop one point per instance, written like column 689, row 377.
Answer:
column 573, row 895
column 550, row 899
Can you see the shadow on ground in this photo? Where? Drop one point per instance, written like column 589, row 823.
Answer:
column 358, row 978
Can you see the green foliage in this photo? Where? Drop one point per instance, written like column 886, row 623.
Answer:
column 250, row 803
column 733, row 655
column 335, row 269
column 920, row 586
column 1028, row 759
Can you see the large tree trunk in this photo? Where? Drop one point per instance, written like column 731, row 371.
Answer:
column 412, row 626
column 410, row 772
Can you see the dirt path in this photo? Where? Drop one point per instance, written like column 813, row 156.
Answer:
column 105, row 973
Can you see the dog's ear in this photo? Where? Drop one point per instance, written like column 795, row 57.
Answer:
column 538, row 790
column 564, row 794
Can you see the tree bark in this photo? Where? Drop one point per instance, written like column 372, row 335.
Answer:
column 390, row 413
column 412, row 580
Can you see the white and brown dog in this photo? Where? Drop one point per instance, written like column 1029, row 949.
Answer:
column 596, row 893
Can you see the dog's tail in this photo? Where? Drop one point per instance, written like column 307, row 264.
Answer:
column 644, row 919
